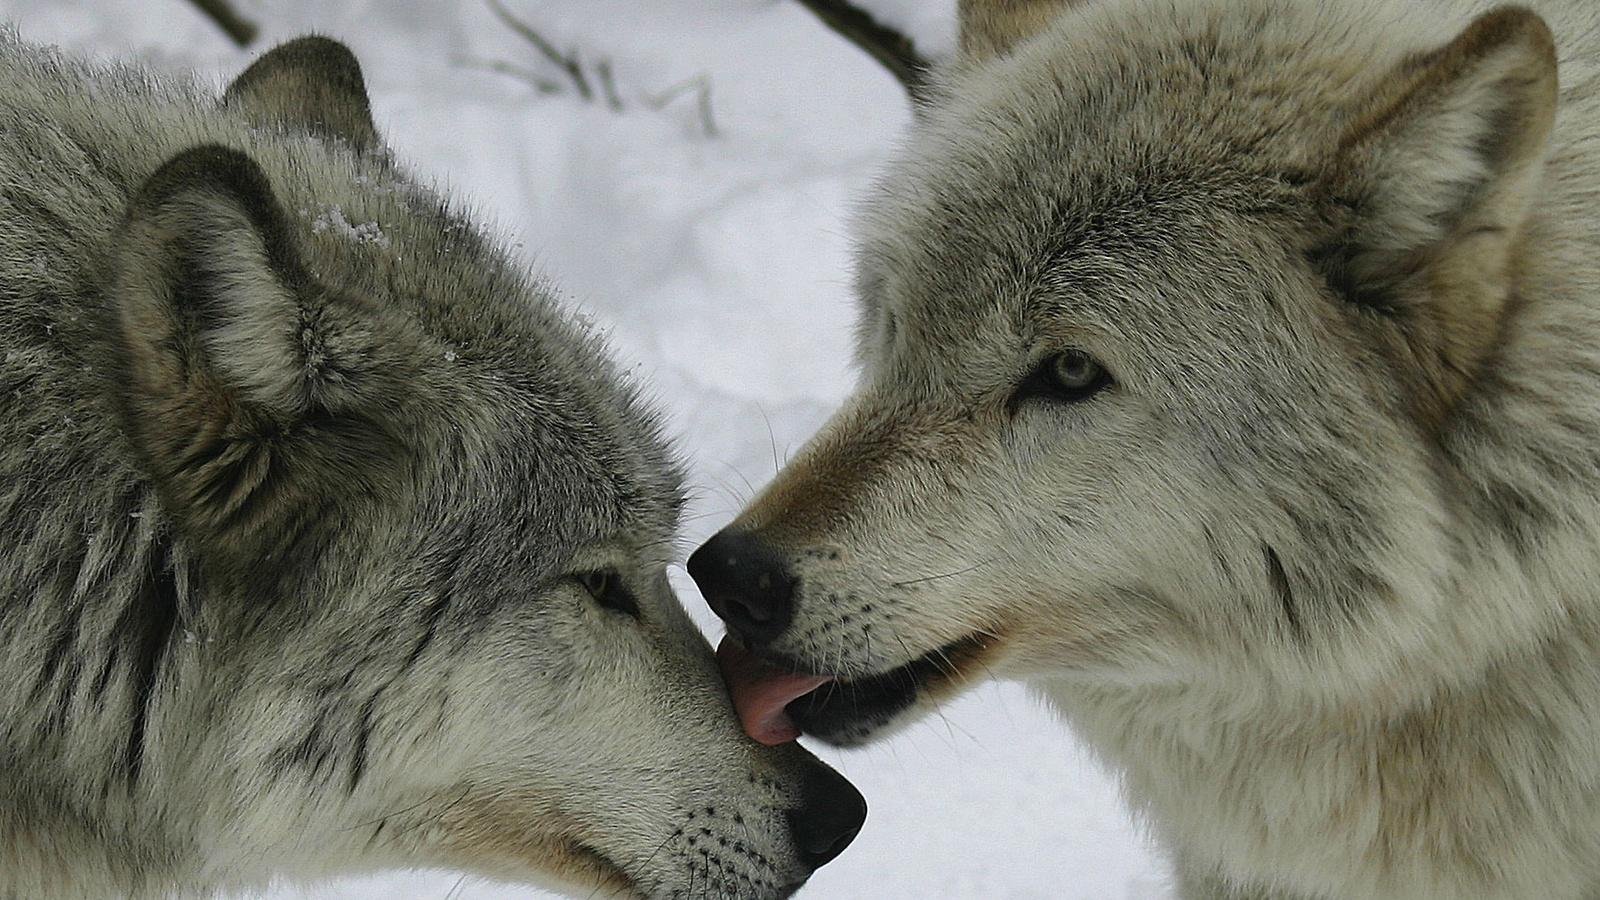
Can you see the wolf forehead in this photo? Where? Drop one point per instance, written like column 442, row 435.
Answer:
column 1122, row 268
column 521, row 405
column 1126, row 166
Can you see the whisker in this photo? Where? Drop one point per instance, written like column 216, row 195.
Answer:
column 649, row 859
column 735, row 470
column 971, row 568
column 383, row 819
column 729, row 492
column 771, row 439
column 442, row 813
column 951, row 728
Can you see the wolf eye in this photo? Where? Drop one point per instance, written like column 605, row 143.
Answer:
column 1076, row 375
column 607, row 589
column 1070, row 376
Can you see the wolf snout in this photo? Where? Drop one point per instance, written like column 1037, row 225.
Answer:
column 747, row 582
column 828, row 816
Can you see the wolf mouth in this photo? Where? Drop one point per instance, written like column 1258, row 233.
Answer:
column 848, row 710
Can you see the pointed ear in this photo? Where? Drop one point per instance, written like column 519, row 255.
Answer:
column 1436, row 179
column 311, row 83
column 990, row 28
column 241, row 379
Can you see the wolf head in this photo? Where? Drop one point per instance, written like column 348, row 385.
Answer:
column 1164, row 311
column 422, row 525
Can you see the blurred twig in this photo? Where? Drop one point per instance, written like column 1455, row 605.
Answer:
column 608, row 84
column 583, row 80
column 534, row 79
column 892, row 49
column 237, row 27
column 567, row 62
column 701, row 86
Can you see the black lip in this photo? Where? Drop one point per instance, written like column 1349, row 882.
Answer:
column 847, row 712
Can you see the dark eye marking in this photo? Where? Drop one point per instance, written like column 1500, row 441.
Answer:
column 607, row 589
column 1071, row 376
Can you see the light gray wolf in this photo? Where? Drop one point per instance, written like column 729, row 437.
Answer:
column 1230, row 372
column 333, row 542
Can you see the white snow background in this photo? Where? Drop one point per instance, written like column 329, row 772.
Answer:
column 721, row 267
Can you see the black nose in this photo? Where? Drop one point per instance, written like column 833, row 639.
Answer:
column 828, row 817
column 746, row 582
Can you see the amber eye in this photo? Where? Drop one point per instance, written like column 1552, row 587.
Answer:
column 607, row 589
column 1071, row 376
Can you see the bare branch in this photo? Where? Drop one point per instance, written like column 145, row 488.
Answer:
column 534, row 79
column 240, row 29
column 608, row 84
column 707, row 123
column 701, row 86
column 892, row 49
column 603, row 74
column 568, row 63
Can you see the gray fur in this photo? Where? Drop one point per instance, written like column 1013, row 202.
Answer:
column 1318, row 573
column 300, row 471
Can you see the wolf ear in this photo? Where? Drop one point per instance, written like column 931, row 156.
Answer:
column 1441, row 171
column 240, row 378
column 311, row 83
column 990, row 28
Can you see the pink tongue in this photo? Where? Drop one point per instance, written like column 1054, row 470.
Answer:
column 760, row 692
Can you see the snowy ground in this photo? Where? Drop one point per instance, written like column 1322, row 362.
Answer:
column 721, row 266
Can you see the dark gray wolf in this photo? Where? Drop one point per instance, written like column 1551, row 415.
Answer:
column 1230, row 372
column 332, row 542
